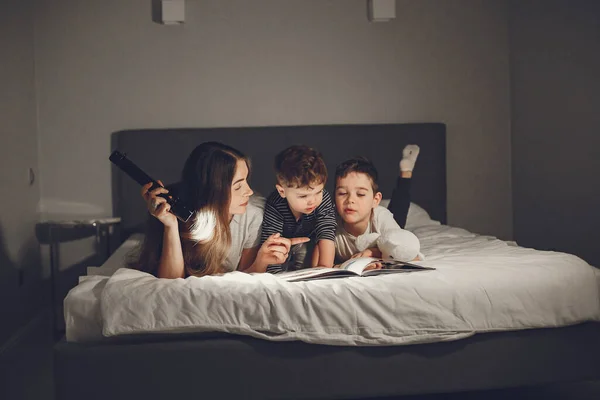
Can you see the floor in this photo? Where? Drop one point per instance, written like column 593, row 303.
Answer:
column 26, row 370
column 26, row 374
column 576, row 391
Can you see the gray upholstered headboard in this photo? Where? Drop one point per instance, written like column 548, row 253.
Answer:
column 162, row 152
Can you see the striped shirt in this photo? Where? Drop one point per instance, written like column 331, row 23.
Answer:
column 318, row 225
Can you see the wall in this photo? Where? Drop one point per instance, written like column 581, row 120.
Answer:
column 20, row 271
column 555, row 88
column 104, row 66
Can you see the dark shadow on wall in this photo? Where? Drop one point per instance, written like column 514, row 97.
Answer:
column 24, row 290
column 25, row 331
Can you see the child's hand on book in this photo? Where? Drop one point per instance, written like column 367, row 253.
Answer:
column 371, row 252
column 373, row 265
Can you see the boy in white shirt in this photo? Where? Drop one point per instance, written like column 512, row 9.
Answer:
column 362, row 222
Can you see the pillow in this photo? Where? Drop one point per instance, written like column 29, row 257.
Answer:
column 417, row 216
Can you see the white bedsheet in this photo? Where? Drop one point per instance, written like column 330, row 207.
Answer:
column 481, row 284
column 120, row 257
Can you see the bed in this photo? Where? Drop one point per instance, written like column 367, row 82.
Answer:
column 560, row 345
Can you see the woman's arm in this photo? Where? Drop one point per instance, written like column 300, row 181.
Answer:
column 273, row 251
column 247, row 259
column 171, row 263
column 171, row 260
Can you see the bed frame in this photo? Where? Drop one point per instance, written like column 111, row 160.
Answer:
column 162, row 153
column 218, row 365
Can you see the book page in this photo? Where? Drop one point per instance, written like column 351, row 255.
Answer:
column 351, row 267
column 312, row 273
column 392, row 267
column 358, row 265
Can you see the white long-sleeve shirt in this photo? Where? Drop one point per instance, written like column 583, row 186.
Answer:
column 382, row 222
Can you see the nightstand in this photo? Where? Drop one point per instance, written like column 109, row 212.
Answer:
column 53, row 232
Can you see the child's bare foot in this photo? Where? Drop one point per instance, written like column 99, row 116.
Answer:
column 409, row 158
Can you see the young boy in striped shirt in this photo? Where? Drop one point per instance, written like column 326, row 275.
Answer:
column 301, row 207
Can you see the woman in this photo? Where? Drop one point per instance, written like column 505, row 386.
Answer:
column 223, row 235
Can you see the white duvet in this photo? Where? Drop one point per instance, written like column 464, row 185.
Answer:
column 481, row 284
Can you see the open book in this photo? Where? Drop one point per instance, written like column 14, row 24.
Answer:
column 360, row 266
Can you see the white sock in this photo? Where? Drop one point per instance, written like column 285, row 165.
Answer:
column 409, row 157
column 203, row 227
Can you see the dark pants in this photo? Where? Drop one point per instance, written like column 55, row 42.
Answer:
column 400, row 201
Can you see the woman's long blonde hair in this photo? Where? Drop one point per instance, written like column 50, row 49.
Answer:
column 205, row 185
